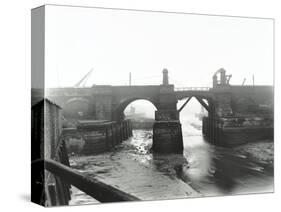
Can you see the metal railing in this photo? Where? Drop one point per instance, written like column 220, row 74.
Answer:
column 192, row 89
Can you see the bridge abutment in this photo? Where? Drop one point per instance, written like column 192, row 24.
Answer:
column 240, row 115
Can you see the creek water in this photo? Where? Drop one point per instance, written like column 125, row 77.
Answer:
column 203, row 169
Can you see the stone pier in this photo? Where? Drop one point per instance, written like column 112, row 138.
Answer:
column 167, row 132
column 231, row 131
column 167, row 137
column 240, row 115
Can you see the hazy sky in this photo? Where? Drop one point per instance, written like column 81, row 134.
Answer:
column 191, row 47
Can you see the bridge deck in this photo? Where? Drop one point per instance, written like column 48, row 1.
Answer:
column 203, row 93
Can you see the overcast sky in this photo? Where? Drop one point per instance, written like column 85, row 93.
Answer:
column 191, row 47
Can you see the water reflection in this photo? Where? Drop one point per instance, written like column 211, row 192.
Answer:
column 220, row 171
column 209, row 169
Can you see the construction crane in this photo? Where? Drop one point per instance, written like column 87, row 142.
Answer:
column 83, row 80
column 244, row 81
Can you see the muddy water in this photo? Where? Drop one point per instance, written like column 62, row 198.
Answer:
column 203, row 169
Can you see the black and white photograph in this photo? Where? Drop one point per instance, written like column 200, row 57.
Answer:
column 140, row 105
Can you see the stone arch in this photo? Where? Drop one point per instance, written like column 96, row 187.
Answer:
column 76, row 108
column 118, row 112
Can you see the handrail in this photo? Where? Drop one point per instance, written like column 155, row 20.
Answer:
column 93, row 187
column 192, row 89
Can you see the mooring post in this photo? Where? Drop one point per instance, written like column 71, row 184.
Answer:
column 118, row 133
column 121, row 132
column 110, row 136
column 125, row 130
column 106, row 137
column 131, row 128
column 113, row 135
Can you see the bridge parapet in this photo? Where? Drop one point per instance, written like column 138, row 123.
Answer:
column 192, row 89
column 102, row 89
column 67, row 91
column 205, row 94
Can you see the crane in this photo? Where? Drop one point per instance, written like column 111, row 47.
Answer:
column 244, row 80
column 84, row 79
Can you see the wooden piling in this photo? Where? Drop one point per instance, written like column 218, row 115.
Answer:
column 100, row 136
column 46, row 117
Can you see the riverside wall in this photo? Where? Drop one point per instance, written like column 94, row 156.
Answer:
column 231, row 131
column 96, row 136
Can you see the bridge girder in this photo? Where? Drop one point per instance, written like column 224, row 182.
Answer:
column 203, row 104
column 184, row 104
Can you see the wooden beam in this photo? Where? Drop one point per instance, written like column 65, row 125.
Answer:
column 203, row 104
column 91, row 186
column 184, row 104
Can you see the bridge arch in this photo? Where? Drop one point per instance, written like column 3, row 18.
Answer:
column 76, row 107
column 119, row 111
